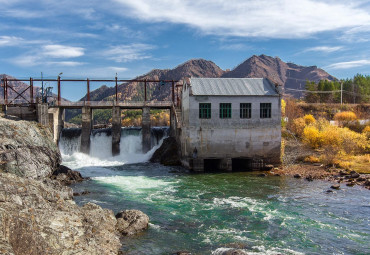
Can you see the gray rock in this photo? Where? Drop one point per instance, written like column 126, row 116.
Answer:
column 335, row 186
column 297, row 176
column 27, row 149
column 168, row 153
column 40, row 217
column 130, row 222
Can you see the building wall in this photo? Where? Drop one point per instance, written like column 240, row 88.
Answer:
column 234, row 137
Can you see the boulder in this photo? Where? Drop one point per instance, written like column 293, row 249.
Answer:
column 168, row 153
column 297, row 176
column 27, row 149
column 335, row 186
column 309, row 178
column 130, row 222
column 66, row 175
column 354, row 174
column 40, row 217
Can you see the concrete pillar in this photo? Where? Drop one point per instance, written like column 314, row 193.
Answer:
column 145, row 131
column 42, row 114
column 116, row 130
column 86, row 129
column 57, row 122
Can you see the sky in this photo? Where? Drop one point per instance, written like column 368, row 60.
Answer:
column 99, row 39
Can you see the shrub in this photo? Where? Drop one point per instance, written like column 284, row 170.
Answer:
column 312, row 137
column 298, row 126
column 309, row 119
column 311, row 159
column 366, row 132
column 345, row 117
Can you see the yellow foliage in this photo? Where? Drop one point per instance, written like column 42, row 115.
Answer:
column 311, row 159
column 298, row 126
column 345, row 116
column 309, row 119
column 312, row 136
column 283, row 105
column 366, row 132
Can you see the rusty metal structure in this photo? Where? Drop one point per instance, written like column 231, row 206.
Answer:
column 5, row 84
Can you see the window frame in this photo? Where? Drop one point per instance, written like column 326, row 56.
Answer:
column 265, row 110
column 245, row 110
column 225, row 111
column 205, row 111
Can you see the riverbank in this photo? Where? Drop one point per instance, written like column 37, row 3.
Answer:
column 296, row 163
column 37, row 214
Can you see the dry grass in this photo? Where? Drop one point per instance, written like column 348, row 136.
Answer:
column 359, row 163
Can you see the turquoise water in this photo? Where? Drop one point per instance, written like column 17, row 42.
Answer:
column 204, row 213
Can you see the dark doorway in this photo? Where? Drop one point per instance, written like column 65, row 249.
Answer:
column 241, row 164
column 212, row 165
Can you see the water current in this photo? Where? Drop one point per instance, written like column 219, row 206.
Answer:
column 209, row 213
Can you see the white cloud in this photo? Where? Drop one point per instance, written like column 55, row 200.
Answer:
column 127, row 53
column 326, row 49
column 62, row 51
column 10, row 40
column 349, row 64
column 235, row 46
column 65, row 63
column 250, row 18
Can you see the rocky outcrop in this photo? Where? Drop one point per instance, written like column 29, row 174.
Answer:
column 168, row 153
column 130, row 222
column 40, row 217
column 66, row 175
column 26, row 149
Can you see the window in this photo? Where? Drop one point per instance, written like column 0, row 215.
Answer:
column 245, row 110
column 225, row 110
column 204, row 110
column 265, row 110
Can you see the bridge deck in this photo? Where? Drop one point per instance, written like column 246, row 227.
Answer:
column 110, row 104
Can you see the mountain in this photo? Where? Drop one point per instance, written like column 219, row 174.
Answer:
column 289, row 75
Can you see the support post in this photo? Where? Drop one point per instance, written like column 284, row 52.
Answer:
column 173, row 91
column 6, row 90
column 86, row 129
column 145, row 90
column 42, row 114
column 116, row 89
column 31, row 90
column 88, row 90
column 57, row 122
column 59, row 90
column 116, row 130
column 145, row 131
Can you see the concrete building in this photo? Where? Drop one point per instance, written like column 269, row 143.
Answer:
column 230, row 123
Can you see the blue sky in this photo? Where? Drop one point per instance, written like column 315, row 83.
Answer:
column 97, row 39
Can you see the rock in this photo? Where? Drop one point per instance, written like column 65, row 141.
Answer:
column 45, row 220
column 335, row 186
column 66, row 175
column 181, row 253
column 168, row 153
column 268, row 167
column 277, row 174
column 367, row 183
column 361, row 179
column 317, row 164
column 231, row 252
column 309, row 178
column 354, row 175
column 297, row 176
column 27, row 149
column 350, row 184
column 262, row 175
column 342, row 173
column 130, row 222
column 329, row 191
column 85, row 192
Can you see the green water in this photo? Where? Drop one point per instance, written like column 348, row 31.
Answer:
column 204, row 213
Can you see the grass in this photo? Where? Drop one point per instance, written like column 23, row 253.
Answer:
column 359, row 163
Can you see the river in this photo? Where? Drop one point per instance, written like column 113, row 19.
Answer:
column 208, row 213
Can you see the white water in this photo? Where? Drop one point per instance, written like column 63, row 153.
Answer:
column 101, row 151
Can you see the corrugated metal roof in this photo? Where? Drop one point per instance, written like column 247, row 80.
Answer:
column 232, row 87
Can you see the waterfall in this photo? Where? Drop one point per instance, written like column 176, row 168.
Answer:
column 101, row 146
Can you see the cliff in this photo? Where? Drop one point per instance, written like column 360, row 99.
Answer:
column 37, row 214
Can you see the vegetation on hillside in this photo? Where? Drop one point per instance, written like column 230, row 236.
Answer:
column 355, row 90
column 345, row 143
